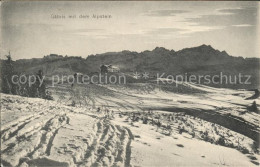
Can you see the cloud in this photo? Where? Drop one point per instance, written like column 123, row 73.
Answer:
column 227, row 17
column 32, row 26
column 163, row 13
column 242, row 25
column 238, row 10
column 156, row 31
column 229, row 10
column 196, row 29
column 88, row 30
column 85, row 30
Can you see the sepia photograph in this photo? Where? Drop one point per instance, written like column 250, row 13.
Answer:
column 130, row 83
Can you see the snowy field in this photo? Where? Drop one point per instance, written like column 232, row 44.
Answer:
column 131, row 125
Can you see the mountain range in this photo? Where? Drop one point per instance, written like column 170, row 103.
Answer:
column 199, row 60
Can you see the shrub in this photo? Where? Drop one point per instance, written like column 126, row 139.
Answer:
column 145, row 120
column 221, row 141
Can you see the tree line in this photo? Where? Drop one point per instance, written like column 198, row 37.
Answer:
column 37, row 89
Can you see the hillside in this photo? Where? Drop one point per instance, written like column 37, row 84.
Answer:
column 131, row 126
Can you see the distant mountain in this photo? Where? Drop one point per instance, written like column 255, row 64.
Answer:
column 199, row 60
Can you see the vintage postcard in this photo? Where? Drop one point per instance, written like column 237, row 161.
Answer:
column 130, row 83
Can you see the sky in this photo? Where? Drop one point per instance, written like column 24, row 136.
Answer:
column 29, row 29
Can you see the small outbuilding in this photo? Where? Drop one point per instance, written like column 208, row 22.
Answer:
column 108, row 68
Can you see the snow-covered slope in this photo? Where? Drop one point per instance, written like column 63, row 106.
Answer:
column 36, row 132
